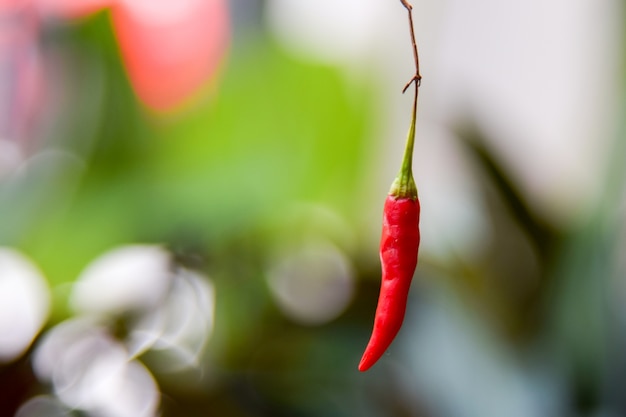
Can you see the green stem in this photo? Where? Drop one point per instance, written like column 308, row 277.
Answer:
column 404, row 184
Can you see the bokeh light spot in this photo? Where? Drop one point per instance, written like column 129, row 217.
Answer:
column 24, row 303
column 312, row 284
column 180, row 327
column 90, row 371
column 128, row 278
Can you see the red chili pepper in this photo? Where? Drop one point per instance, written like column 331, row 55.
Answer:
column 398, row 255
column 398, row 252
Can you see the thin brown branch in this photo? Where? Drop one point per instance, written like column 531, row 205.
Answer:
column 417, row 78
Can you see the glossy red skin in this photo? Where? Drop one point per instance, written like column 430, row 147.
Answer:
column 398, row 255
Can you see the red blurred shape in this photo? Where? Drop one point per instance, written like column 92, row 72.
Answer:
column 171, row 48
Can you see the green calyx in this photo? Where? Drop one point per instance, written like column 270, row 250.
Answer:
column 404, row 184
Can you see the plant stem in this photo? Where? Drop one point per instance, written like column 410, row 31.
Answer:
column 404, row 184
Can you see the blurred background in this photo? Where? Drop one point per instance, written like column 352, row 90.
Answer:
column 191, row 195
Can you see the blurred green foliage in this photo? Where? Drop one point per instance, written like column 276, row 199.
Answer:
column 274, row 131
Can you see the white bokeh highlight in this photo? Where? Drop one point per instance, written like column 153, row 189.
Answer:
column 10, row 155
column 91, row 371
column 179, row 328
column 24, row 303
column 312, row 284
column 128, row 278
column 326, row 30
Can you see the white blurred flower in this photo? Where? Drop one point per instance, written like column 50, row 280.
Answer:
column 91, row 371
column 179, row 328
column 128, row 278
